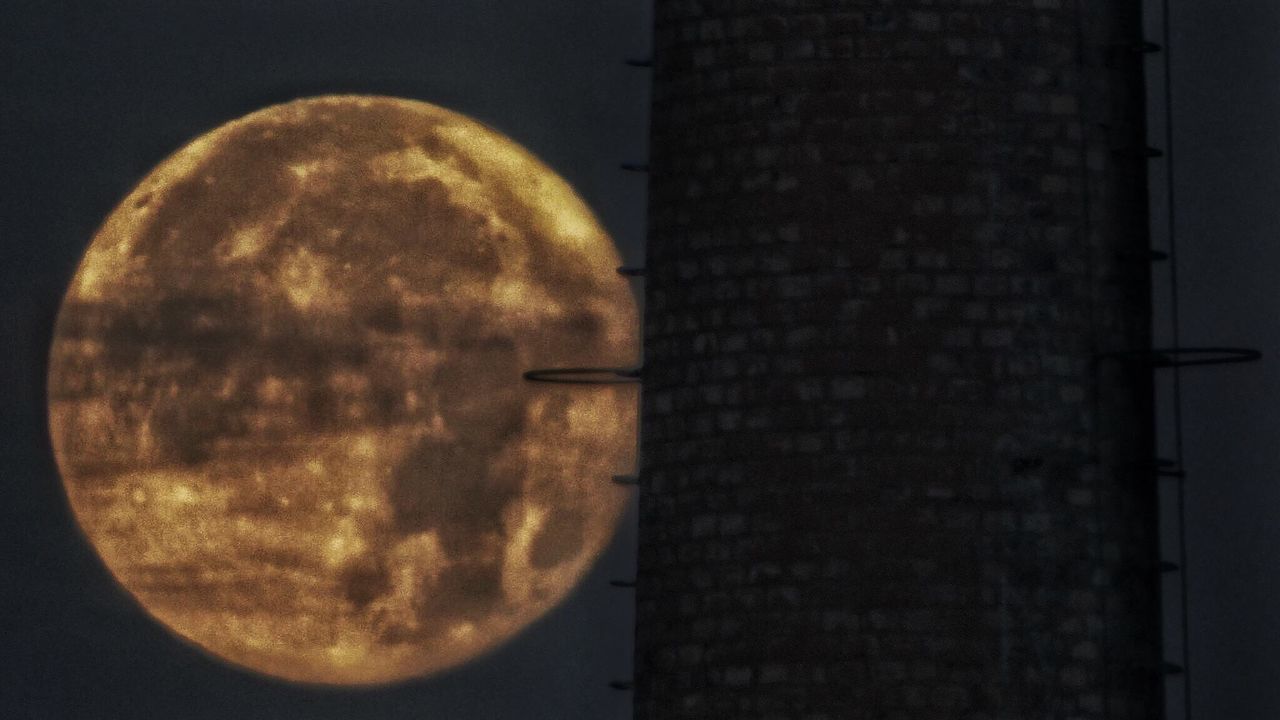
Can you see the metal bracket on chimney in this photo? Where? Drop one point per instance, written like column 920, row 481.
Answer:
column 1146, row 152
column 1142, row 47
column 584, row 375
column 1180, row 357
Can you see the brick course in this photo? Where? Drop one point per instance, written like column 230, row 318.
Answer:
column 884, row 473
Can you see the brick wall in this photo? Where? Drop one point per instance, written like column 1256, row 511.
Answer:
column 884, row 474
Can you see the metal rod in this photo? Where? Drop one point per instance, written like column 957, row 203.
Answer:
column 1144, row 152
column 1180, row 357
column 1151, row 255
column 584, row 375
column 1170, row 209
column 1142, row 48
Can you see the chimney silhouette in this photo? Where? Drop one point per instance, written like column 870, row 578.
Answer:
column 896, row 447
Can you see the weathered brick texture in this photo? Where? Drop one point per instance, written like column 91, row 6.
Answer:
column 884, row 473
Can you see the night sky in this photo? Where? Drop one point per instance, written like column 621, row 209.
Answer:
column 95, row 94
column 1226, row 160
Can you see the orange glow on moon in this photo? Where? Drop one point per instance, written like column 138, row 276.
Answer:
column 285, row 391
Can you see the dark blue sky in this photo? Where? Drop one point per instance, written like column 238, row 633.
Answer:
column 1226, row 165
column 94, row 94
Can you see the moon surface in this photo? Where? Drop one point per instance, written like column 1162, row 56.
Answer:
column 285, row 390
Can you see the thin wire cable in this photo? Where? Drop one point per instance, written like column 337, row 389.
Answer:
column 1171, row 234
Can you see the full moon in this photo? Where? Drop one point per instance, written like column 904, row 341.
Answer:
column 285, row 390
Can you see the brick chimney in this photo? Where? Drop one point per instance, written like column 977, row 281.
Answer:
column 895, row 461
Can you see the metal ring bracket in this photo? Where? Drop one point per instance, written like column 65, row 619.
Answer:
column 584, row 375
column 1179, row 357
